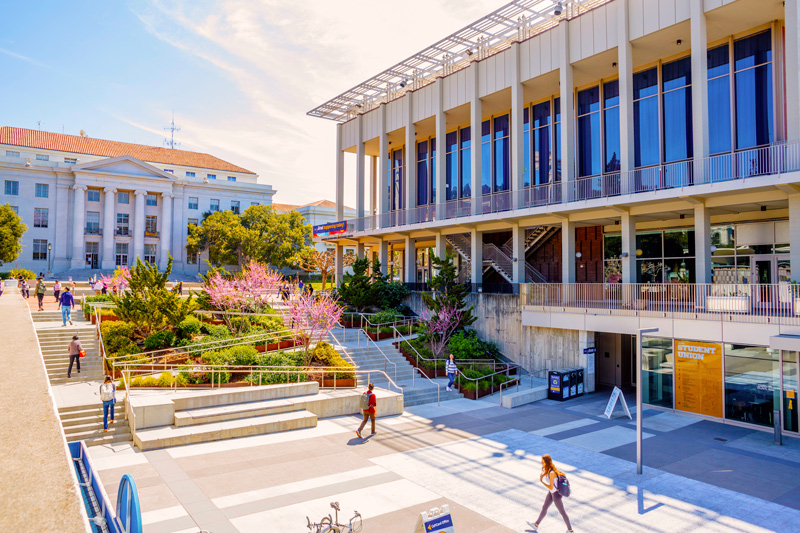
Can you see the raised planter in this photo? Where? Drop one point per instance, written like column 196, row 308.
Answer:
column 214, row 322
column 329, row 382
column 728, row 304
column 282, row 345
column 378, row 336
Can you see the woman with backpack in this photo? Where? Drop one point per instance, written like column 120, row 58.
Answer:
column 550, row 478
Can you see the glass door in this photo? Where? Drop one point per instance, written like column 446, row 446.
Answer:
column 790, row 391
column 92, row 254
column 762, row 274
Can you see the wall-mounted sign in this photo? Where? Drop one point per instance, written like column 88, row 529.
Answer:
column 329, row 230
column 698, row 377
column 591, row 350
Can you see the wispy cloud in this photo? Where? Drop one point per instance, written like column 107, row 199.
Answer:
column 24, row 58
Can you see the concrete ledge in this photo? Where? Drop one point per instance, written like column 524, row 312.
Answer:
column 237, row 410
column 244, row 394
column 515, row 399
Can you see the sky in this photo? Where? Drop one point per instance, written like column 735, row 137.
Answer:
column 240, row 75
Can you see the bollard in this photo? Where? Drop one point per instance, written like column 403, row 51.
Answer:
column 776, row 422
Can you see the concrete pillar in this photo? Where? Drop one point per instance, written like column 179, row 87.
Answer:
column 410, row 256
column 517, row 145
column 700, row 116
column 628, row 227
column 78, row 223
column 587, row 361
column 476, row 255
column 794, row 236
column 567, row 252
column 373, row 163
column 792, row 59
column 165, row 239
column 109, row 226
column 518, row 245
column 567, row 113
column 410, row 165
column 138, row 227
column 359, row 173
column 625, row 68
column 441, row 167
column 179, row 232
column 383, row 256
column 440, row 248
column 383, row 168
column 339, row 264
column 360, row 250
column 702, row 244
column 339, row 175
column 475, row 119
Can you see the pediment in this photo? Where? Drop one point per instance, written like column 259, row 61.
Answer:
column 123, row 165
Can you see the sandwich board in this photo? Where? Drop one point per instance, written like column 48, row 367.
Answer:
column 616, row 394
column 436, row 520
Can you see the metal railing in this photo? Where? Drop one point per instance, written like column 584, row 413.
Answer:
column 414, row 374
column 777, row 303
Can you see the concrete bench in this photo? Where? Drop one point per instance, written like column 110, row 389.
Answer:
column 515, row 399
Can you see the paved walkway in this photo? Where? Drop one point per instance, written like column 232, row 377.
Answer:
column 484, row 462
column 38, row 490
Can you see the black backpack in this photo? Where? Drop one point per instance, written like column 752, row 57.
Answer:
column 562, row 483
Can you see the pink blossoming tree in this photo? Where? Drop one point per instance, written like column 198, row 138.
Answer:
column 312, row 318
column 250, row 291
column 440, row 327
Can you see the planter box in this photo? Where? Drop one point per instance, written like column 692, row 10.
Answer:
column 328, row 382
column 379, row 336
column 214, row 322
column 272, row 346
column 282, row 345
column 728, row 304
column 108, row 318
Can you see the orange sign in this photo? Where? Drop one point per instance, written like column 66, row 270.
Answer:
column 698, row 377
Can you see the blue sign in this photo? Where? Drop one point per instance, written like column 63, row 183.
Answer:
column 328, row 230
column 589, row 350
column 129, row 512
column 440, row 523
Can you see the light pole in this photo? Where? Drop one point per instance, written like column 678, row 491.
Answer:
column 49, row 258
column 639, row 386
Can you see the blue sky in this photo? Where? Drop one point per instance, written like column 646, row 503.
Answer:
column 240, row 74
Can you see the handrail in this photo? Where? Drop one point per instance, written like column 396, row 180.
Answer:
column 380, row 350
column 100, row 339
column 414, row 374
column 343, row 349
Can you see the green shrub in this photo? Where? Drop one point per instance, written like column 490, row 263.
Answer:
column 189, row 326
column 240, row 324
column 165, row 380
column 116, row 334
column 181, row 381
column 17, row 272
column 220, row 331
column 385, row 317
column 392, row 294
column 149, row 381
column 499, row 379
column 97, row 298
column 239, row 355
column 471, row 374
column 469, row 385
column 159, row 339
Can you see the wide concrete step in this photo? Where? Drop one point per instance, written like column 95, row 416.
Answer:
column 241, row 410
column 90, row 419
column 163, row 437
column 410, row 399
column 98, row 439
column 76, row 378
column 118, row 426
column 86, row 409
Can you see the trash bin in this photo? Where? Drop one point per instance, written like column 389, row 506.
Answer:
column 559, row 385
column 581, row 388
column 573, row 382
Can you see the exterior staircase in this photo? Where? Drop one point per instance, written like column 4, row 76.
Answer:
column 54, row 342
column 85, row 422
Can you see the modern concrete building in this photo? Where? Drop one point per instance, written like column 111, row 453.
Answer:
column 96, row 204
column 638, row 166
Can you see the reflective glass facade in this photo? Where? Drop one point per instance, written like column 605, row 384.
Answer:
column 752, row 383
column 753, row 80
column 719, row 100
column 677, row 109
column 458, row 164
column 495, row 154
column 611, row 161
column 589, row 144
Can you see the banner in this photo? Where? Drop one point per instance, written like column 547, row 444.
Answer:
column 328, row 230
column 698, row 377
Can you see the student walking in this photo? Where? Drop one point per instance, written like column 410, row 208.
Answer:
column 41, row 289
column 26, row 290
column 549, row 479
column 66, row 302
column 108, row 396
column 180, row 288
column 451, row 370
column 56, row 289
column 368, row 404
column 75, row 350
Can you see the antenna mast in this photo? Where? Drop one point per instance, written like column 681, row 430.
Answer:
column 172, row 128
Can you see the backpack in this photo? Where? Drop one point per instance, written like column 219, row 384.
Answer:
column 562, row 483
column 363, row 402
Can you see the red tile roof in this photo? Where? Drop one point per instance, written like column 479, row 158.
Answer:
column 292, row 207
column 46, row 140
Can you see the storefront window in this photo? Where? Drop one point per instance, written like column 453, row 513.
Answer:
column 790, row 390
column 612, row 262
column 752, row 381
column 657, row 365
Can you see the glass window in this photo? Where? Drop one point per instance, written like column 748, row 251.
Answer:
column 502, row 155
column 211, row 176
column 123, row 197
column 170, row 171
column 486, row 157
column 752, row 381
column 657, row 365
column 42, row 190
column 451, row 164
column 231, row 178
column 151, row 226
column 645, row 118
column 557, row 138
column 14, row 208
column 753, row 77
column 193, row 221
column 12, row 153
column 40, row 157
column 39, row 217
column 92, row 222
column 235, row 207
column 191, row 259
column 611, row 161
column 465, row 170
column 12, row 188
column 541, row 143
column 121, row 250
column 677, row 110
column 214, row 205
column 526, row 147
column 432, row 199
column 679, row 243
column 70, row 160
column 422, row 173
column 397, row 180
column 151, row 200
column 589, row 148
column 648, row 245
column 790, row 391
column 40, row 249
column 192, row 203
column 93, row 195
column 150, row 253
column 122, row 224
column 719, row 100
column 189, row 174
column 612, row 258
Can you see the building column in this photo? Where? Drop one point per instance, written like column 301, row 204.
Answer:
column 372, row 185
column 586, row 343
column 383, row 171
column 339, row 265
column 567, row 114
column 518, row 246
column 700, row 144
column 567, row 251
column 339, row 175
column 792, row 60
column 628, row 263
column 359, row 173
column 62, row 246
column 518, row 162
column 440, row 248
column 360, row 250
column 625, row 68
column 178, row 236
column 794, row 236
column 109, row 227
column 702, row 244
column 166, row 229
column 476, row 255
column 410, row 255
column 441, row 166
column 78, row 225
column 383, row 256
column 475, row 119
column 138, row 227
column 410, row 165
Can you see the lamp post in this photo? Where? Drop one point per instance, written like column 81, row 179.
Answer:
column 49, row 256
column 639, row 386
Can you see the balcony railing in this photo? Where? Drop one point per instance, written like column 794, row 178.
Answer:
column 757, row 304
column 91, row 230
column 773, row 159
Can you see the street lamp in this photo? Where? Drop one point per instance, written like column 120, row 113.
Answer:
column 639, row 386
column 49, row 258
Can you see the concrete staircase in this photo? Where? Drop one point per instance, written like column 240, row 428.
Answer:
column 54, row 343
column 85, row 422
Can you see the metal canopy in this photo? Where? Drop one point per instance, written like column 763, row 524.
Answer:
column 516, row 21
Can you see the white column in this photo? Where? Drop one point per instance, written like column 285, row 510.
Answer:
column 518, row 246
column 359, row 170
column 339, row 264
column 625, row 67
column 441, row 167
column 410, row 170
column 586, row 340
column 702, row 244
column 78, row 224
column 339, row 175
column 476, row 255
column 440, row 247
column 372, row 185
column 410, row 254
column 383, row 170
column 180, row 232
column 517, row 145
column 628, row 227
column 138, row 227
column 166, row 229
column 109, row 226
column 62, row 246
column 475, row 114
column 567, row 113
column 567, row 251
column 794, row 236
column 383, row 256
column 792, row 59
column 700, row 116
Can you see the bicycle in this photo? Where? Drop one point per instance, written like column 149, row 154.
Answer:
column 332, row 525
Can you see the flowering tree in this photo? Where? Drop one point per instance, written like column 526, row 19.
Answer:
column 312, row 260
column 312, row 318
column 250, row 291
column 440, row 327
column 119, row 281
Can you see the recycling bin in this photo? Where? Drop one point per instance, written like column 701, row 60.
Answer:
column 559, row 388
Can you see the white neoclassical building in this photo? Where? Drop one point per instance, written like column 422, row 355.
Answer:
column 93, row 204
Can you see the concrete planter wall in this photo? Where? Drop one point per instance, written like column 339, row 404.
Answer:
column 728, row 304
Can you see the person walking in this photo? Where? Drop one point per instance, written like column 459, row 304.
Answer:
column 41, row 289
column 451, row 370
column 26, row 291
column 75, row 350
column 368, row 410
column 108, row 393
column 66, row 302
column 549, row 479
column 180, row 288
column 57, row 289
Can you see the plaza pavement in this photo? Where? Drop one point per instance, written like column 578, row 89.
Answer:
column 482, row 460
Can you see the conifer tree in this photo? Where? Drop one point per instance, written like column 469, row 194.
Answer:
column 447, row 292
